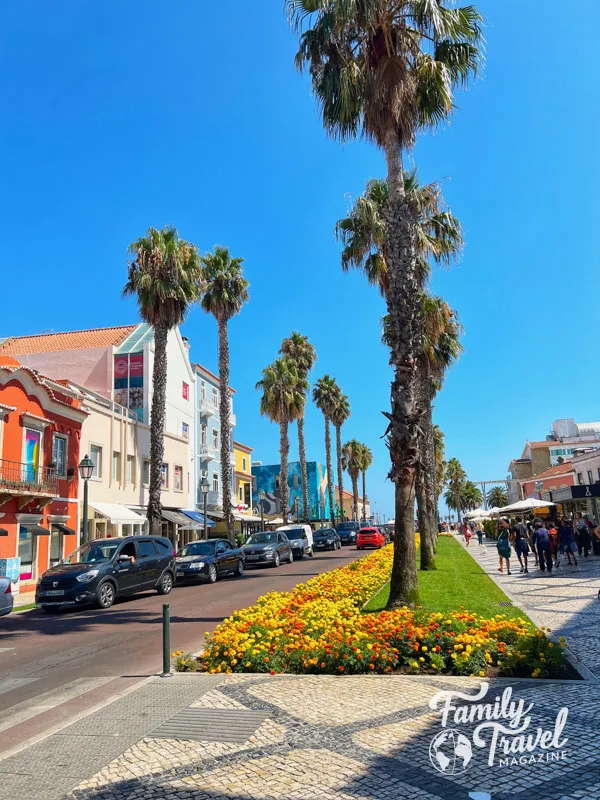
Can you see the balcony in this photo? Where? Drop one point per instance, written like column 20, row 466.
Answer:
column 232, row 459
column 207, row 408
column 25, row 480
column 232, row 420
column 207, row 452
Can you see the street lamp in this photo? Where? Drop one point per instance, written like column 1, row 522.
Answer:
column 297, row 508
column 86, row 468
column 261, row 497
column 204, row 487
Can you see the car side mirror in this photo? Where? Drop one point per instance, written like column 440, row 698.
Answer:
column 123, row 559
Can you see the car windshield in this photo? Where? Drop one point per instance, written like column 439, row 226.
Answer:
column 347, row 526
column 262, row 538
column 92, row 552
column 294, row 533
column 198, row 549
column 325, row 532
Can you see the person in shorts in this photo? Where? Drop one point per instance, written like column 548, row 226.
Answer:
column 519, row 540
column 566, row 542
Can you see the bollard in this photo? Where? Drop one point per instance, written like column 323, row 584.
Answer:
column 166, row 636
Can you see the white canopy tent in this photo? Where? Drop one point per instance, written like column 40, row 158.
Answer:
column 522, row 506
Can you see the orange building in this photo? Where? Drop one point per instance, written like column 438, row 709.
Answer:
column 40, row 430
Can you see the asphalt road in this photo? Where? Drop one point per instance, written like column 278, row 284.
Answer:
column 126, row 640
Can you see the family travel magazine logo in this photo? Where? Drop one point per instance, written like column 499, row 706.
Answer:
column 503, row 731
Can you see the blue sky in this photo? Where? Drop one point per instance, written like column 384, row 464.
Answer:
column 120, row 115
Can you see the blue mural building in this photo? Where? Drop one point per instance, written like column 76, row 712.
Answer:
column 268, row 480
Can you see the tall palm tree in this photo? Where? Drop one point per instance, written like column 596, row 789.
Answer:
column 340, row 414
column 366, row 459
column 284, row 395
column 351, row 461
column 226, row 292
column 455, row 479
column 298, row 348
column 470, row 496
column 439, row 451
column 165, row 275
column 325, row 395
column 385, row 71
column 497, row 497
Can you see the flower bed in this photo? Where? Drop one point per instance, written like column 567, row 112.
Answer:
column 319, row 628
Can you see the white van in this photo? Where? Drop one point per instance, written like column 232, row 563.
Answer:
column 301, row 539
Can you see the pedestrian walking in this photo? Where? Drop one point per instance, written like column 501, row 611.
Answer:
column 503, row 545
column 479, row 531
column 584, row 539
column 541, row 540
column 553, row 533
column 530, row 532
column 467, row 533
column 596, row 541
column 566, row 542
column 519, row 539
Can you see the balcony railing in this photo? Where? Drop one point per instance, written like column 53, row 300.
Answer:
column 207, row 407
column 232, row 419
column 25, row 479
column 207, row 452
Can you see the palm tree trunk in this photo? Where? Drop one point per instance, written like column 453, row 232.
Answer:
column 224, row 412
column 284, row 452
column 431, row 498
column 427, row 526
column 354, row 477
column 403, row 302
column 303, row 471
column 364, row 490
column 329, row 472
column 157, row 428
column 338, row 452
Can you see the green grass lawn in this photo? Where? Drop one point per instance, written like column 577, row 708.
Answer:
column 457, row 581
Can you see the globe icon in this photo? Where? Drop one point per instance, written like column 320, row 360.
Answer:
column 450, row 752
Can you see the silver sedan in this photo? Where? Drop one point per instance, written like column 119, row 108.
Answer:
column 6, row 597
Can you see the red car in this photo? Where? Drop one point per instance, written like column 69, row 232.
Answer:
column 369, row 537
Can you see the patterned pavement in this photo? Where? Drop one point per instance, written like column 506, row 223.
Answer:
column 361, row 738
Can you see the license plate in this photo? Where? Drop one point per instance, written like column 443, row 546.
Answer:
column 252, row 558
column 55, row 593
column 181, row 574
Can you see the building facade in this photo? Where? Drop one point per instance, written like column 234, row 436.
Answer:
column 364, row 507
column 40, row 432
column 268, row 480
column 243, row 478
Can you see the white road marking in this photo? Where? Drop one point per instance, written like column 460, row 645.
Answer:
column 8, row 684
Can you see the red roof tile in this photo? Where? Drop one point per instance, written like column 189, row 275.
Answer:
column 71, row 340
column 551, row 472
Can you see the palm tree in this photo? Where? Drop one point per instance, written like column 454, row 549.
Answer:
column 226, row 292
column 385, row 71
column 497, row 497
column 340, row 414
column 455, row 479
column 470, row 496
column 284, row 395
column 439, row 451
column 298, row 348
column 366, row 459
column 351, row 461
column 325, row 395
column 165, row 275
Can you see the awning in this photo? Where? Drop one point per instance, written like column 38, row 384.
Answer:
column 36, row 530
column 3, row 532
column 198, row 517
column 118, row 514
column 63, row 528
column 184, row 522
column 245, row 517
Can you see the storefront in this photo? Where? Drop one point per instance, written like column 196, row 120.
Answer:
column 111, row 520
column 583, row 498
column 179, row 528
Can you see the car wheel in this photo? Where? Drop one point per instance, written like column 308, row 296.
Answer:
column 165, row 584
column 276, row 560
column 331, row 547
column 239, row 570
column 300, row 555
column 212, row 574
column 106, row 595
column 291, row 558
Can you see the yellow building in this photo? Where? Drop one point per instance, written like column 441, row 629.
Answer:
column 243, row 478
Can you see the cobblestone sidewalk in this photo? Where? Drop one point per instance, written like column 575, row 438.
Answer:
column 316, row 738
column 566, row 600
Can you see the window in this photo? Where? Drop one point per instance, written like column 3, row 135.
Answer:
column 203, row 434
column 33, row 445
column 116, row 467
column 185, row 430
column 55, row 546
column 96, row 456
column 277, row 483
column 241, row 494
column 244, row 464
column 215, row 481
column 215, row 435
column 178, row 478
column 590, row 476
column 215, row 398
column 580, row 478
column 163, row 547
column 202, row 390
column 146, row 549
column 204, row 474
column 130, row 469
column 59, row 454
column 185, row 390
column 146, row 471
column 26, row 553
column 164, row 476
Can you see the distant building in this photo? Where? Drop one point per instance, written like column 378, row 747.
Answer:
column 243, row 478
column 558, row 477
column 364, row 508
column 268, row 480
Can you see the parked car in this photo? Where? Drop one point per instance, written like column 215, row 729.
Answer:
column 208, row 560
column 369, row 537
column 102, row 570
column 327, row 539
column 348, row 531
column 301, row 539
column 6, row 596
column 267, row 547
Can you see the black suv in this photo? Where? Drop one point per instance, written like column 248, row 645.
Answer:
column 347, row 532
column 102, row 570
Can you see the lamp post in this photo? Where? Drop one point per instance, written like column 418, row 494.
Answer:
column 204, row 487
column 261, row 497
column 297, row 508
column 322, row 507
column 86, row 468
